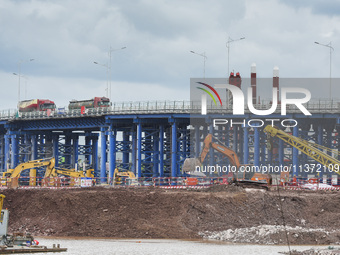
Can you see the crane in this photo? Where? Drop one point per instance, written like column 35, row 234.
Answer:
column 310, row 149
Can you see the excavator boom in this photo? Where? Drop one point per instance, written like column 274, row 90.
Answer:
column 230, row 154
column 12, row 173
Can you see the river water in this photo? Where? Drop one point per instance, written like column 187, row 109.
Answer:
column 160, row 246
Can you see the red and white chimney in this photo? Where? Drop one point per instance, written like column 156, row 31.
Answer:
column 276, row 81
column 253, row 81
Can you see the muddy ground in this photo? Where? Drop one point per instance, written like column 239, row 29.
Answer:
column 221, row 212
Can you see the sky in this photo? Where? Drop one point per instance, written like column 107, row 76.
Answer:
column 66, row 37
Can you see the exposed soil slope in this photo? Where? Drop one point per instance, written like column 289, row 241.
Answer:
column 158, row 213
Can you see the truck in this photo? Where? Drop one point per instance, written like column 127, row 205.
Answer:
column 96, row 102
column 36, row 105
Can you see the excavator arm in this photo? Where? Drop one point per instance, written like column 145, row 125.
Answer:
column 305, row 147
column 230, row 154
column 12, row 173
column 69, row 172
column 2, row 198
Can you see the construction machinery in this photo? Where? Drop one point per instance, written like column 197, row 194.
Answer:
column 70, row 173
column 124, row 177
column 11, row 177
column 242, row 174
column 312, row 150
column 19, row 242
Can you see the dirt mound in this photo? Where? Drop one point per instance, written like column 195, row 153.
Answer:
column 157, row 213
column 221, row 188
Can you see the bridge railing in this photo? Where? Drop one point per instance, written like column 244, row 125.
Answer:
column 154, row 107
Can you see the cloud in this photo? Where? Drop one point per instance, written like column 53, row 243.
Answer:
column 65, row 37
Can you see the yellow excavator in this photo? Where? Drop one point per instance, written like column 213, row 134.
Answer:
column 11, row 177
column 70, row 173
column 243, row 174
column 124, row 177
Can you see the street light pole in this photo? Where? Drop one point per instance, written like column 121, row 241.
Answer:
column 26, row 79
column 107, row 76
column 228, row 46
column 329, row 45
column 19, row 75
column 110, row 56
column 204, row 57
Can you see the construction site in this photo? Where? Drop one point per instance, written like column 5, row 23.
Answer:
column 176, row 170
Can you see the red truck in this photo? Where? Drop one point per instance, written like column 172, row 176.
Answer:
column 35, row 105
column 92, row 103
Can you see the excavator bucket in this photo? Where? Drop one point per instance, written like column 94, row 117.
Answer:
column 190, row 164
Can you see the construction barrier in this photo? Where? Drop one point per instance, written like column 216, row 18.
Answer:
column 32, row 182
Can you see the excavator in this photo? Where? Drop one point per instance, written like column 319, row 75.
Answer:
column 124, row 177
column 244, row 174
column 11, row 177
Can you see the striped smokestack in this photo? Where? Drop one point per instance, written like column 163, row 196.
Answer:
column 253, row 81
column 276, row 81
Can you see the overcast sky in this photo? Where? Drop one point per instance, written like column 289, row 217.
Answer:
column 65, row 37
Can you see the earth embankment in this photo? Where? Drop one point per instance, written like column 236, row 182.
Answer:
column 221, row 212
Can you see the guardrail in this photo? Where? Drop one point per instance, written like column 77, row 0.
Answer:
column 158, row 107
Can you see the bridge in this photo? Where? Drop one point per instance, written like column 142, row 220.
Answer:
column 153, row 139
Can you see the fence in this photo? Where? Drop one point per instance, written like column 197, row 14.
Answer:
column 162, row 182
